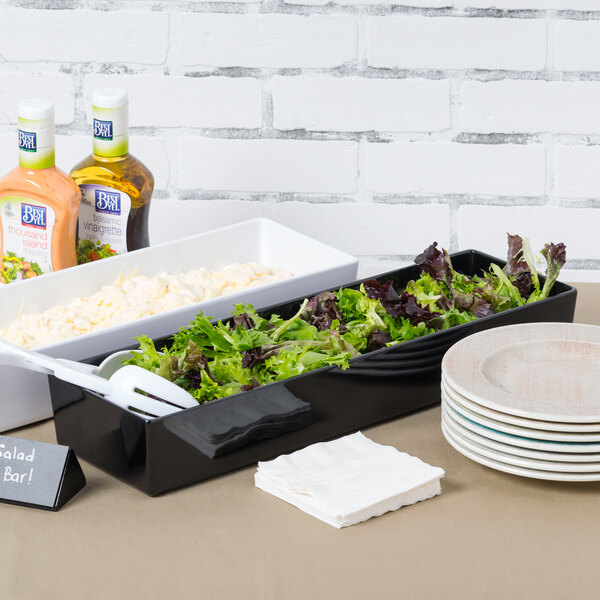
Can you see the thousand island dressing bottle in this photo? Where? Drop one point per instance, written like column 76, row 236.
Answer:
column 38, row 202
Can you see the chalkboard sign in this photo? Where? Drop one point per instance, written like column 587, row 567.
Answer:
column 37, row 474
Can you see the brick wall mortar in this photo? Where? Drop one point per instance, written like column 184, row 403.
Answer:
column 567, row 182
column 460, row 8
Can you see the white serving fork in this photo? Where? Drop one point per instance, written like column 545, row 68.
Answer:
column 131, row 387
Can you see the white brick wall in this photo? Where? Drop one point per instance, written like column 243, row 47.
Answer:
column 268, row 165
column 17, row 85
column 449, row 168
column 574, row 227
column 511, row 106
column 266, row 40
column 376, row 125
column 83, row 36
column 376, row 231
column 217, row 102
column 411, row 3
column 373, row 233
column 587, row 5
column 453, row 43
column 166, row 222
column 359, row 104
column 9, row 154
column 577, row 172
column 578, row 45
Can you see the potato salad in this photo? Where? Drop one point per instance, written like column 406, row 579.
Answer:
column 134, row 297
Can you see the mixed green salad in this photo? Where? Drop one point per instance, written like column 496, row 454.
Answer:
column 214, row 361
column 88, row 251
column 15, row 268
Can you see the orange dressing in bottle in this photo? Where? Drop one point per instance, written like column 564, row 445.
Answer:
column 38, row 202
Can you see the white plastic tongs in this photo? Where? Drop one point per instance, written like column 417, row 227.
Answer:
column 129, row 387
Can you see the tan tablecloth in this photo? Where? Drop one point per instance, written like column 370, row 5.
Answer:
column 489, row 535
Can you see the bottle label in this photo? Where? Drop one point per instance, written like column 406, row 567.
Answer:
column 27, row 227
column 103, row 216
column 110, row 128
column 36, row 144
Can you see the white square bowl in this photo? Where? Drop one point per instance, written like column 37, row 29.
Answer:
column 24, row 395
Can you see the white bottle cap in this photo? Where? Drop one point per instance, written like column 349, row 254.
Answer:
column 35, row 109
column 110, row 97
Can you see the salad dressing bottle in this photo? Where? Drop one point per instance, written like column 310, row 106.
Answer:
column 38, row 202
column 116, row 188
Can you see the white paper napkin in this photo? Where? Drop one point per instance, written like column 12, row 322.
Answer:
column 348, row 480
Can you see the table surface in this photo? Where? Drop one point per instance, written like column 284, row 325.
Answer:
column 488, row 535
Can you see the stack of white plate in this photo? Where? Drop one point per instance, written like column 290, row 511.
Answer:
column 525, row 399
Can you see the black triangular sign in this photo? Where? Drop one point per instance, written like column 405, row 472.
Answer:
column 38, row 474
column 72, row 481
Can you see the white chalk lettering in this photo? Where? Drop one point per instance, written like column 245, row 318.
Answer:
column 15, row 454
column 11, row 476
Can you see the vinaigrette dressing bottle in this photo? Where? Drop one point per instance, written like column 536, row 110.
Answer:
column 116, row 188
column 38, row 202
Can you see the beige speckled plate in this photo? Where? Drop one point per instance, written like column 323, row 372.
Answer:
column 543, row 464
column 505, row 446
column 517, row 470
column 516, row 440
column 544, row 371
column 519, row 421
column 553, row 436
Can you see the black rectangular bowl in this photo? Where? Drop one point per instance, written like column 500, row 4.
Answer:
column 163, row 454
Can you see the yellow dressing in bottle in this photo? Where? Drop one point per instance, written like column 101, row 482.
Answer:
column 38, row 202
column 116, row 188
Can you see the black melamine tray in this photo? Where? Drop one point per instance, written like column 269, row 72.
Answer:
column 173, row 451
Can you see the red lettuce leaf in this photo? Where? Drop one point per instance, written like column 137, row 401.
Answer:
column 321, row 310
column 516, row 268
column 244, row 321
column 436, row 263
column 398, row 306
column 378, row 339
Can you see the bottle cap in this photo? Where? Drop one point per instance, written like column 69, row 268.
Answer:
column 36, row 109
column 36, row 133
column 110, row 97
column 110, row 122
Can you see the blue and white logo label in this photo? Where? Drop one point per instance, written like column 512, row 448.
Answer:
column 33, row 216
column 103, row 130
column 27, row 141
column 108, row 202
column 103, row 216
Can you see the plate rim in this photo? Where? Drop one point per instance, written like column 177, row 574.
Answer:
column 567, row 457
column 552, row 436
column 521, row 461
column 545, row 328
column 511, row 419
column 522, row 442
column 520, row 471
